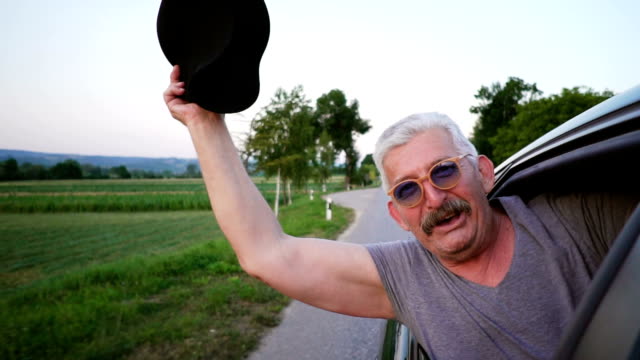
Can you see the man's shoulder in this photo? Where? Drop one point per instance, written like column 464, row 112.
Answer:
column 395, row 247
column 398, row 254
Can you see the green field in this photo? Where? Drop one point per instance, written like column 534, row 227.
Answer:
column 121, row 195
column 132, row 281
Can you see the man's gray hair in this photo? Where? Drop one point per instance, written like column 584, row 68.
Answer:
column 406, row 129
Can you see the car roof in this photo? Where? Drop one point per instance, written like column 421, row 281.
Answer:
column 610, row 131
column 579, row 125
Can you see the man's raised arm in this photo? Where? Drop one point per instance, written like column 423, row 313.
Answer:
column 334, row 276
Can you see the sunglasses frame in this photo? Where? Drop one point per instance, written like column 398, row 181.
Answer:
column 420, row 180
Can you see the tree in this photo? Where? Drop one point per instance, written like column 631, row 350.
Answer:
column 343, row 123
column 167, row 174
column 498, row 106
column 368, row 171
column 281, row 139
column 326, row 157
column 9, row 170
column 538, row 117
column 142, row 174
column 351, row 166
column 119, row 172
column 368, row 160
column 192, row 171
column 90, row 171
column 68, row 169
column 31, row 171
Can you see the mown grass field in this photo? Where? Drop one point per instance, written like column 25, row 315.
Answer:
column 120, row 195
column 138, row 279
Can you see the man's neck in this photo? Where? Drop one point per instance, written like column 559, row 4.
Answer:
column 492, row 264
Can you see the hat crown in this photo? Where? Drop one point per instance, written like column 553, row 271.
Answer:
column 219, row 46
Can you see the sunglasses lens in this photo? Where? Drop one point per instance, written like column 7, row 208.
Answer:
column 407, row 193
column 445, row 175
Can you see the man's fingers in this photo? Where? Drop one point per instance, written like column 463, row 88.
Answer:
column 180, row 108
column 177, row 88
column 174, row 89
column 175, row 74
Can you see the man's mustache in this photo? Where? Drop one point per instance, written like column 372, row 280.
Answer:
column 448, row 209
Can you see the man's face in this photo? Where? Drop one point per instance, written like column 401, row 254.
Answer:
column 458, row 233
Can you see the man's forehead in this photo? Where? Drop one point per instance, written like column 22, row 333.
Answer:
column 431, row 142
column 420, row 153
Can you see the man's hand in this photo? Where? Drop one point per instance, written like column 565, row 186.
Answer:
column 181, row 110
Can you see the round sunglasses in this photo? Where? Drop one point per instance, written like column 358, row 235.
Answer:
column 444, row 175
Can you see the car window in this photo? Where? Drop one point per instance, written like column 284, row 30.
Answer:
column 607, row 321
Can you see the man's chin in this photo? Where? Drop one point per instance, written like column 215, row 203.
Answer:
column 450, row 242
column 456, row 253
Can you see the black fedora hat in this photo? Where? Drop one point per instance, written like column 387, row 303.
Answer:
column 218, row 45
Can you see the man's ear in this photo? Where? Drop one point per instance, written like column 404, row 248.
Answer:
column 485, row 167
column 395, row 214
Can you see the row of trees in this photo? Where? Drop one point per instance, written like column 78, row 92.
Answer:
column 71, row 169
column 296, row 142
column 291, row 140
column 512, row 116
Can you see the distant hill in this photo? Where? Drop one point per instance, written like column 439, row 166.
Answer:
column 175, row 165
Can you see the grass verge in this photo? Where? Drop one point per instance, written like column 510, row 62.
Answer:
column 146, row 297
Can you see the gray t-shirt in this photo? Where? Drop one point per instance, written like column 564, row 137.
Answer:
column 559, row 243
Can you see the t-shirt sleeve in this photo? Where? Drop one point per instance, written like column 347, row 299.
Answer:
column 393, row 261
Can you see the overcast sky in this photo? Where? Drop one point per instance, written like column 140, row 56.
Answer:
column 86, row 77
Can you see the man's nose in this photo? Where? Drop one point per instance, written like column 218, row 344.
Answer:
column 433, row 197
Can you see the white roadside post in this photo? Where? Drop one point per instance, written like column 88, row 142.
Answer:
column 311, row 194
column 329, row 201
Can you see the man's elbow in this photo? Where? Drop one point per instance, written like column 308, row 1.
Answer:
column 250, row 267
column 259, row 267
column 265, row 260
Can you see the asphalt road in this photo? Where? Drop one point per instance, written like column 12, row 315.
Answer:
column 310, row 333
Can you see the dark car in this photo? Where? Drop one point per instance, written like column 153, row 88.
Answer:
column 598, row 150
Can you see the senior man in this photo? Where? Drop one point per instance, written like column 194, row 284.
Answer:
column 483, row 280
